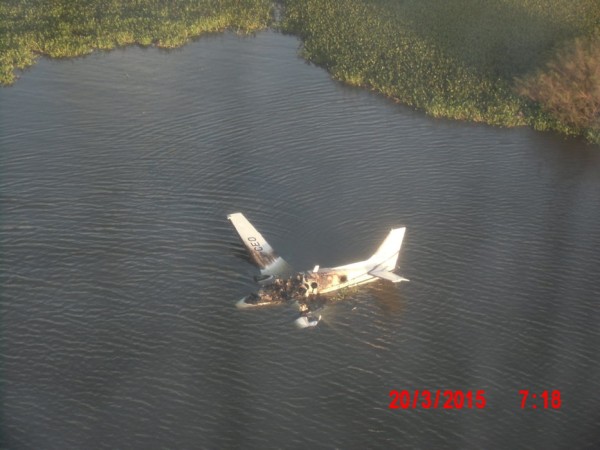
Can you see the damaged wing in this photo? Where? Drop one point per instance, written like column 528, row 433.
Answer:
column 261, row 253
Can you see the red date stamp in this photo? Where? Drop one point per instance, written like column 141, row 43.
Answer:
column 445, row 399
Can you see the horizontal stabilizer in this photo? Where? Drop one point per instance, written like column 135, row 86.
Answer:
column 385, row 275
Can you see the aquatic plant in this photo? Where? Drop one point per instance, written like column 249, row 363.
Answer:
column 492, row 61
column 456, row 59
column 63, row 28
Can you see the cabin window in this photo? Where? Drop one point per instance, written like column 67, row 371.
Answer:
column 343, row 279
column 313, row 285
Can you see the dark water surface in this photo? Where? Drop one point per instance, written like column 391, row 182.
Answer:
column 119, row 271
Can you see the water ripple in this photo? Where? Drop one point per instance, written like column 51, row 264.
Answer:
column 119, row 271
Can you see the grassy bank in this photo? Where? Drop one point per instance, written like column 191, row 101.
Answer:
column 503, row 62
column 62, row 28
column 477, row 60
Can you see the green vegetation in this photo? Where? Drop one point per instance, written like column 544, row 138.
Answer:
column 493, row 61
column 62, row 28
column 503, row 62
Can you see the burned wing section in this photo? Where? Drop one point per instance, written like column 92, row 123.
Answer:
column 261, row 253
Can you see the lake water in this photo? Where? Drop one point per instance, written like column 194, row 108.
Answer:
column 119, row 271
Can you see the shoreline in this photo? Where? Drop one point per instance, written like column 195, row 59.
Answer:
column 77, row 28
column 464, row 60
column 378, row 45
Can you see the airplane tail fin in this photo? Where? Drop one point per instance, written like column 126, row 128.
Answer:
column 386, row 256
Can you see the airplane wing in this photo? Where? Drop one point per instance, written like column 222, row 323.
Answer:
column 261, row 253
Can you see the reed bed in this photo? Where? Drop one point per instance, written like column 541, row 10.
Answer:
column 463, row 59
column 65, row 28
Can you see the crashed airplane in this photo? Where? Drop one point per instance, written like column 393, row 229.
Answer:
column 277, row 286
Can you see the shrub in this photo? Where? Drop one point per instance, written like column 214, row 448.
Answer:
column 568, row 87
